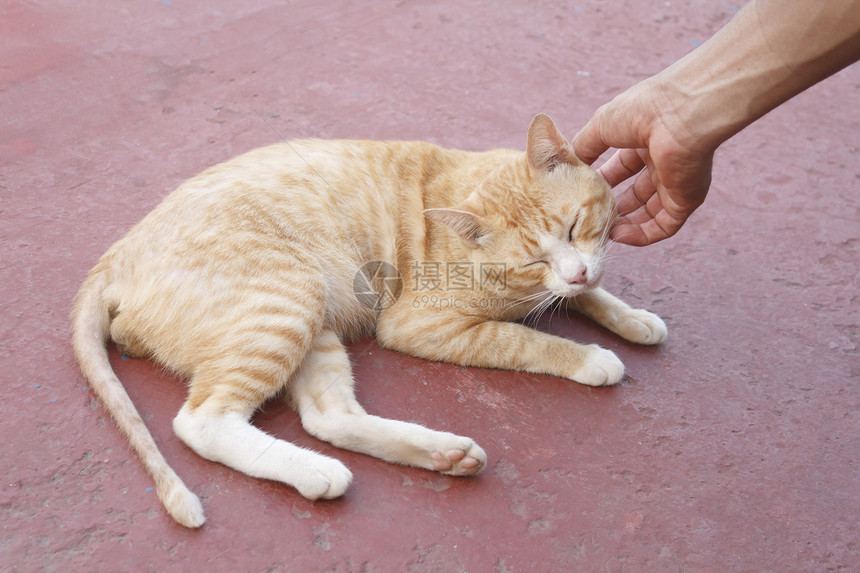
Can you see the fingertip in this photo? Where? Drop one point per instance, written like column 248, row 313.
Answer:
column 587, row 144
column 627, row 234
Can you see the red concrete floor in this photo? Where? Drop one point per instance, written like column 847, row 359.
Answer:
column 734, row 447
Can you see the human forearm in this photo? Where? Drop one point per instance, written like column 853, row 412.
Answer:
column 769, row 52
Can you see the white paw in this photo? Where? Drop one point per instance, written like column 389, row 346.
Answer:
column 463, row 459
column 601, row 368
column 324, row 478
column 642, row 327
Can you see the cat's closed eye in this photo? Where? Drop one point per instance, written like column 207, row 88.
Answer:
column 572, row 229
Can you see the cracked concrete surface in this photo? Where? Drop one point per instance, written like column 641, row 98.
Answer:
column 733, row 447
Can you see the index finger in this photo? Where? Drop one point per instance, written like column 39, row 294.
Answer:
column 588, row 144
column 622, row 165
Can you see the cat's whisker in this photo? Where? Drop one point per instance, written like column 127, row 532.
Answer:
column 609, row 246
column 542, row 300
column 608, row 256
column 528, row 315
column 540, row 308
column 559, row 305
column 534, row 315
column 605, row 239
column 550, row 306
column 525, row 299
column 555, row 307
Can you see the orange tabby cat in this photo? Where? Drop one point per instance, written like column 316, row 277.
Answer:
column 248, row 278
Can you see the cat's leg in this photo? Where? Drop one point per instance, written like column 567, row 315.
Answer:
column 322, row 391
column 214, row 422
column 475, row 341
column 633, row 324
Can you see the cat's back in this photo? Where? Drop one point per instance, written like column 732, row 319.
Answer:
column 309, row 176
column 359, row 194
column 291, row 193
column 278, row 181
column 325, row 166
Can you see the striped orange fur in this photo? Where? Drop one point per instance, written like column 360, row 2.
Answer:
column 244, row 280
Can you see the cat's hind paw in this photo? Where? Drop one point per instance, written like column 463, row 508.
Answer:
column 467, row 460
column 601, row 368
column 642, row 327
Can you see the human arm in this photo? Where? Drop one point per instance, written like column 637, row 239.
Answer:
column 667, row 128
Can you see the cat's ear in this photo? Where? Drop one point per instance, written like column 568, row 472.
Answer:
column 463, row 223
column 546, row 147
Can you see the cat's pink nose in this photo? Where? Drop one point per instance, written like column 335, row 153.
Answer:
column 579, row 279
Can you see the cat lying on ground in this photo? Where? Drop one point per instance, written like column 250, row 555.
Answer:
column 249, row 278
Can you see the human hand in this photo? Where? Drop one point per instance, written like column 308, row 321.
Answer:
column 667, row 127
column 672, row 169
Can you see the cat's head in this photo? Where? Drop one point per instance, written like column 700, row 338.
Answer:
column 546, row 217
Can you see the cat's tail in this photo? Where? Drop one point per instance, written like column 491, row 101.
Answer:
column 91, row 318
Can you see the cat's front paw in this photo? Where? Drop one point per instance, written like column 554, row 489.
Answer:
column 324, row 478
column 642, row 327
column 601, row 368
